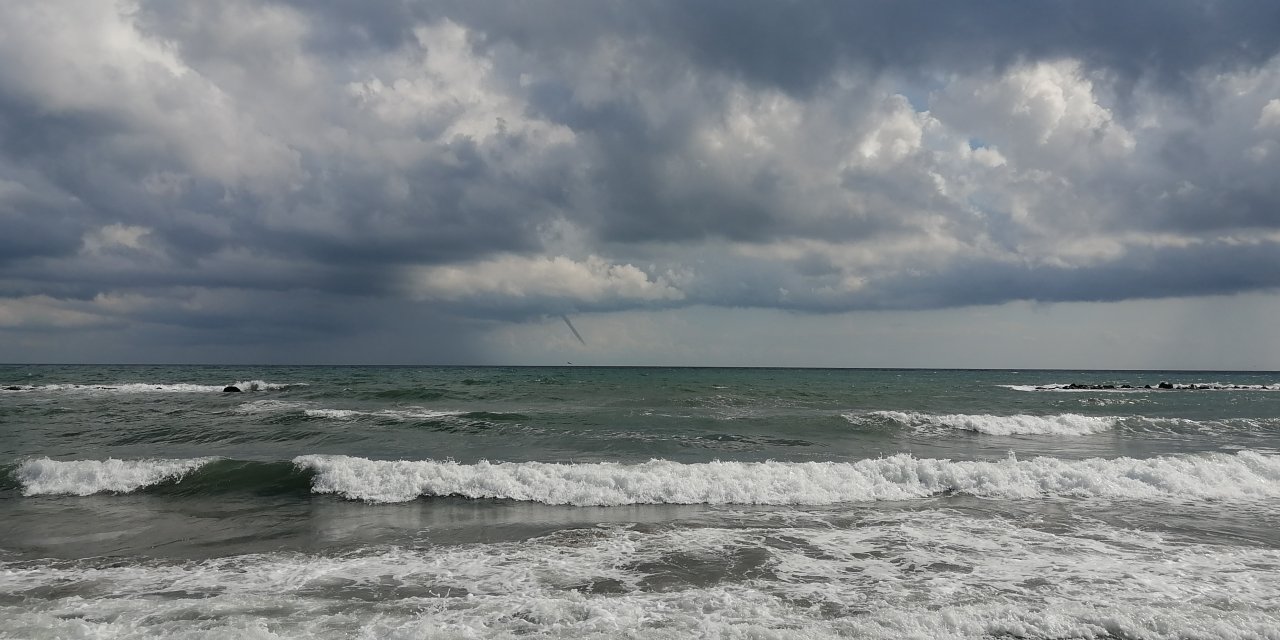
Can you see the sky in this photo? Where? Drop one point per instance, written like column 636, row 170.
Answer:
column 1051, row 184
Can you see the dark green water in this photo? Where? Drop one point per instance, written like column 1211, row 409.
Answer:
column 584, row 502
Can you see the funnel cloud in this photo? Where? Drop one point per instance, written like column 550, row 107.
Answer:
column 573, row 329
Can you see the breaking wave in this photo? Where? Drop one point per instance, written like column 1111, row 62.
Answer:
column 44, row 476
column 412, row 413
column 922, row 574
column 156, row 387
column 1244, row 475
column 1066, row 424
column 898, row 477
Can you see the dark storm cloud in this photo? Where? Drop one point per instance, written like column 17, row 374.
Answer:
column 44, row 230
column 523, row 159
column 798, row 45
column 1143, row 273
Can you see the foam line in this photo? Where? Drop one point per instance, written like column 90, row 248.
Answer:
column 899, row 477
column 156, row 387
column 412, row 413
column 1066, row 424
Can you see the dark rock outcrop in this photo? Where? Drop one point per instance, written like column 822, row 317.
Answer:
column 1163, row 385
column 231, row 388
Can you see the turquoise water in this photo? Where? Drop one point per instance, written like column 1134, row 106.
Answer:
column 648, row 502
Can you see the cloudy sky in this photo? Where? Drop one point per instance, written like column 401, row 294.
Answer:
column 1069, row 183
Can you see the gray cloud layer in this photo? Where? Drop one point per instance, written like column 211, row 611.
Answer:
column 221, row 171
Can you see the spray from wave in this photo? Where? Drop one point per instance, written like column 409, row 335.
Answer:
column 898, row 477
column 1067, row 424
column 1215, row 476
column 44, row 476
column 923, row 574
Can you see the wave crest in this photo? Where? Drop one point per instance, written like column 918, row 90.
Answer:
column 411, row 413
column 44, row 476
column 1217, row 476
column 156, row 387
column 1066, row 424
column 898, row 477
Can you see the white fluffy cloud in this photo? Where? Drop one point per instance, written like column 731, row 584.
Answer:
column 591, row 280
column 91, row 58
column 1044, row 115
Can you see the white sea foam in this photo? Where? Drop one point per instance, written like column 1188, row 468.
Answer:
column 920, row 574
column 262, row 385
column 899, row 477
column 1066, row 424
column 44, row 476
column 417, row 413
column 334, row 414
column 161, row 387
column 411, row 413
column 269, row 406
column 308, row 409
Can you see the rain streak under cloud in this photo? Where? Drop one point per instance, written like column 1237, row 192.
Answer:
column 443, row 182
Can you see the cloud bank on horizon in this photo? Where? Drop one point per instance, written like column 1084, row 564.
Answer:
column 254, row 172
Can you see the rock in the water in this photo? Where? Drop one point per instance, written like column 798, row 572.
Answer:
column 231, row 388
column 1075, row 386
column 1164, row 385
column 13, row 388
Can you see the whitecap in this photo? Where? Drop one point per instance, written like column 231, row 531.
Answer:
column 899, row 477
column 409, row 413
column 334, row 414
column 44, row 476
column 268, row 406
column 1066, row 424
column 162, row 387
column 923, row 574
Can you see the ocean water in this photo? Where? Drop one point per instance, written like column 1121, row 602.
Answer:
column 388, row 502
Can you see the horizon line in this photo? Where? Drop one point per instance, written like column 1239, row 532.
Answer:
column 623, row 366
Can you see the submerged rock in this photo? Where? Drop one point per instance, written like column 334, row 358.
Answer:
column 231, row 388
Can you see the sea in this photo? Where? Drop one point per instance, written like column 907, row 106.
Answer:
column 600, row 502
